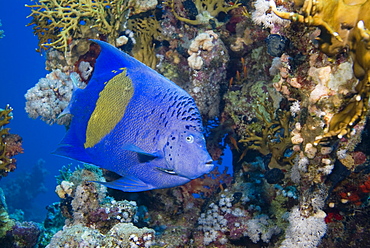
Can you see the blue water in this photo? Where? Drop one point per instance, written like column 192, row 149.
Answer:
column 20, row 68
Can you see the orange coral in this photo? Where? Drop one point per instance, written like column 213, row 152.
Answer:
column 207, row 185
column 10, row 144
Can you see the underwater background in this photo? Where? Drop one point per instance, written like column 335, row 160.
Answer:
column 21, row 66
column 283, row 90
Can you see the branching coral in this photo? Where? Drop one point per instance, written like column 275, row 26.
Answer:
column 274, row 137
column 10, row 144
column 259, row 126
column 146, row 30
column 57, row 22
column 207, row 10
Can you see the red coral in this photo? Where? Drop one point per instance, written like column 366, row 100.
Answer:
column 13, row 144
column 356, row 193
column 207, row 184
column 359, row 157
column 365, row 187
column 10, row 144
column 90, row 57
column 332, row 217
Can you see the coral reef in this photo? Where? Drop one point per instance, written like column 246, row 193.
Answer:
column 224, row 222
column 120, row 235
column 208, row 62
column 17, row 233
column 304, row 232
column 6, row 223
column 290, row 99
column 339, row 31
column 263, row 16
column 25, row 234
column 92, row 218
column 146, row 31
column 10, row 144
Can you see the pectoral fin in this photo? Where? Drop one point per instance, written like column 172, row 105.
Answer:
column 143, row 156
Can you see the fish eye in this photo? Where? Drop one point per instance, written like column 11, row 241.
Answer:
column 190, row 138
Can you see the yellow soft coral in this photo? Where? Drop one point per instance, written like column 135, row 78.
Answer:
column 56, row 22
column 266, row 141
column 146, row 30
column 207, row 10
column 5, row 115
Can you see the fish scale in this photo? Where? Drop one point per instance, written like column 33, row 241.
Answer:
column 135, row 122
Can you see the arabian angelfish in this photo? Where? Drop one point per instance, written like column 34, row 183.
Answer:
column 133, row 121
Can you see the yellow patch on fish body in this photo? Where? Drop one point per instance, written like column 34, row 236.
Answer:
column 110, row 108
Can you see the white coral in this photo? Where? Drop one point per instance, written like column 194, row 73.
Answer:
column 203, row 42
column 195, row 61
column 304, row 232
column 295, row 108
column 260, row 228
column 64, row 189
column 51, row 95
column 268, row 20
column 321, row 76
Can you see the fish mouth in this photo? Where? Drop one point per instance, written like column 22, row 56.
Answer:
column 209, row 163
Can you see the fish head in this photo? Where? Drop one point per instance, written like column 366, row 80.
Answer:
column 186, row 154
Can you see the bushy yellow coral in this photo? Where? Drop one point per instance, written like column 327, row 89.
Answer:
column 146, row 30
column 56, row 22
column 207, row 10
column 268, row 141
column 5, row 115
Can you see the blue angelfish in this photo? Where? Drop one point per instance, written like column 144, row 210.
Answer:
column 133, row 121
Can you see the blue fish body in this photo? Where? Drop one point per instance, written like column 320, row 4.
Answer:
column 133, row 121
